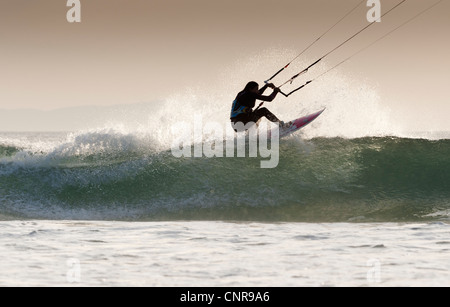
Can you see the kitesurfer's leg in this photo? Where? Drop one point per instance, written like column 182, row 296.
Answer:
column 264, row 112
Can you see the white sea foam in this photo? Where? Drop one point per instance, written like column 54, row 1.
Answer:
column 217, row 254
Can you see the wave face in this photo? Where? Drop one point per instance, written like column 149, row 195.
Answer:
column 335, row 170
column 117, row 176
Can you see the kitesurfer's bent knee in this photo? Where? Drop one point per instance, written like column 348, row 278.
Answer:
column 264, row 112
column 245, row 122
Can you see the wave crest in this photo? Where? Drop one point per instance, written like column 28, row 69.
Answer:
column 322, row 179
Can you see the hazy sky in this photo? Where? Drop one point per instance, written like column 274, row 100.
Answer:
column 129, row 51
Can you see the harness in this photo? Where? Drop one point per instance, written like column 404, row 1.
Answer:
column 237, row 109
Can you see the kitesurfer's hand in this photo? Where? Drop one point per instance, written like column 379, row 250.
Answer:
column 271, row 85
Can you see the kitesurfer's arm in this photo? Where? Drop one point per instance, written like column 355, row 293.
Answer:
column 263, row 89
column 267, row 98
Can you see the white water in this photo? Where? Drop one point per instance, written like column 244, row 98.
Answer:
column 214, row 254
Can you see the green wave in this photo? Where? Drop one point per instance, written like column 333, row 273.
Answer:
column 8, row 151
column 320, row 180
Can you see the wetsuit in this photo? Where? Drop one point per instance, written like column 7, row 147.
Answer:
column 242, row 109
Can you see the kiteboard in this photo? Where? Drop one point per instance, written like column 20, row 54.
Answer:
column 298, row 124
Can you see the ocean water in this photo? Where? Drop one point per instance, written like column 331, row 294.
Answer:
column 354, row 200
column 106, row 208
column 114, row 176
column 222, row 254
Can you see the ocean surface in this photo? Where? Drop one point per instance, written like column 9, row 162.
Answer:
column 109, row 208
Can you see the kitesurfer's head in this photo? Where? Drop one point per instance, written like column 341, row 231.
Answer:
column 252, row 87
